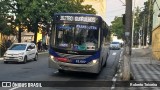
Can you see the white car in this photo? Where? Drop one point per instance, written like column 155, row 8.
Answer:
column 115, row 45
column 21, row 52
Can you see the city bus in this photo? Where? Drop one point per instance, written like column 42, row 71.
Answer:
column 77, row 43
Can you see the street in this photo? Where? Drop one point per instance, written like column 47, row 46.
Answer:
column 39, row 71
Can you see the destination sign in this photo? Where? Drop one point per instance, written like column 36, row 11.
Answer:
column 78, row 18
column 86, row 27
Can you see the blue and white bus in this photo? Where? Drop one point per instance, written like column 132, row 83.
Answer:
column 77, row 43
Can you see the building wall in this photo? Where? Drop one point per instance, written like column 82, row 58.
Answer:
column 156, row 32
column 156, row 43
column 156, row 19
column 99, row 6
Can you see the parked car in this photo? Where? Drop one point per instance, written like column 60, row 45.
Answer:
column 115, row 45
column 21, row 52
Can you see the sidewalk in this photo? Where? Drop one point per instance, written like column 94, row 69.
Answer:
column 143, row 67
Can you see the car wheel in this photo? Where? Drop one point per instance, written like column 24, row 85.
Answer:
column 5, row 62
column 60, row 71
column 36, row 57
column 25, row 59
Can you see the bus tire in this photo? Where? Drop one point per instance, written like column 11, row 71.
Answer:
column 105, row 64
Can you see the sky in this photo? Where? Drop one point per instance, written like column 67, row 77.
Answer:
column 117, row 8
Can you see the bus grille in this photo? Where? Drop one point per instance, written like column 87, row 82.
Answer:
column 71, row 56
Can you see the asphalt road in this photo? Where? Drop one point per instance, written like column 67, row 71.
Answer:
column 39, row 71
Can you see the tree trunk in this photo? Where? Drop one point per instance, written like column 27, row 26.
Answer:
column 19, row 34
column 35, row 31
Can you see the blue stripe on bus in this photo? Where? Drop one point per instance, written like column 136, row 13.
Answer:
column 87, row 60
column 52, row 52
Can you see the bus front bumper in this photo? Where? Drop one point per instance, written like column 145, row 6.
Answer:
column 92, row 67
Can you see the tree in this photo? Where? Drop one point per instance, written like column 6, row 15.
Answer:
column 144, row 20
column 4, row 28
column 31, row 12
column 117, row 27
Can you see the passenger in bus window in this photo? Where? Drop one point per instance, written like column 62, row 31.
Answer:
column 92, row 36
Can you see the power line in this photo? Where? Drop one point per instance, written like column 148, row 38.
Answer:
column 122, row 2
column 157, row 4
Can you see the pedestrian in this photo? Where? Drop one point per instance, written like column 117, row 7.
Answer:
column 44, row 44
column 8, row 43
column 39, row 45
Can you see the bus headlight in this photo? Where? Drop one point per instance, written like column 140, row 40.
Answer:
column 51, row 57
column 94, row 61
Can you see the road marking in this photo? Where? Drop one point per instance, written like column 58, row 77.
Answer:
column 14, row 88
column 114, row 53
column 56, row 71
column 114, row 80
column 113, row 87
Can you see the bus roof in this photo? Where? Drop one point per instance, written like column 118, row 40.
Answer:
column 77, row 14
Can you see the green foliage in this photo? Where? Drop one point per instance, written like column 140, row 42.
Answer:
column 117, row 27
column 5, row 9
column 44, row 9
column 4, row 28
column 141, row 21
column 31, row 12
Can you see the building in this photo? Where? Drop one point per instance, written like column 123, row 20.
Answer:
column 99, row 6
column 156, row 30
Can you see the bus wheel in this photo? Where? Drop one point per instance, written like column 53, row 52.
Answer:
column 60, row 71
column 105, row 64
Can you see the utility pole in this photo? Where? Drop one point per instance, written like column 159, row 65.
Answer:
column 126, row 73
column 128, row 25
column 19, row 32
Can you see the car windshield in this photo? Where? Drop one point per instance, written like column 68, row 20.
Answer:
column 115, row 43
column 18, row 47
column 76, row 37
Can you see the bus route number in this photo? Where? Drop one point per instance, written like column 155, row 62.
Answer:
column 80, row 61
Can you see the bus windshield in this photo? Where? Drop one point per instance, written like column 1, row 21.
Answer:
column 76, row 37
